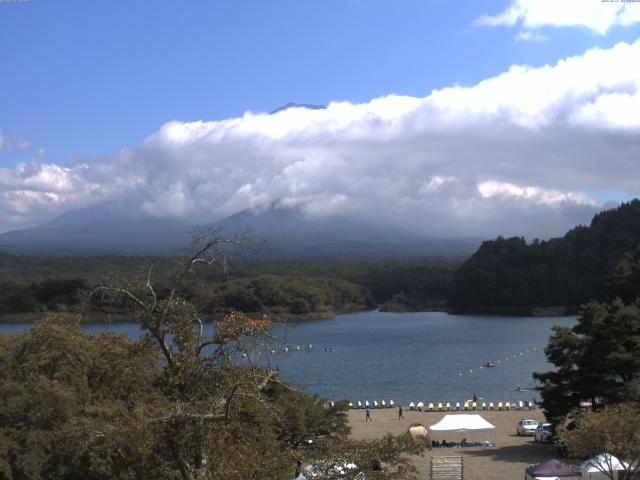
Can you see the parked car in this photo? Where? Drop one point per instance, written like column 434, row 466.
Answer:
column 526, row 426
column 544, row 432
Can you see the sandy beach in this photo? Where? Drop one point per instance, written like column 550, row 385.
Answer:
column 507, row 460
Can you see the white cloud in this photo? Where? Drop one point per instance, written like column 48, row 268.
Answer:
column 536, row 195
column 434, row 184
column 531, row 36
column 8, row 144
column 512, row 154
column 596, row 15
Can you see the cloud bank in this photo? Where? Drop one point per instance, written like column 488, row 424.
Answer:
column 598, row 16
column 517, row 153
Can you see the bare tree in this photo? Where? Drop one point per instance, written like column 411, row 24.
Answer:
column 209, row 368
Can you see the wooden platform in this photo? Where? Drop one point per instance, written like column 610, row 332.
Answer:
column 447, row 468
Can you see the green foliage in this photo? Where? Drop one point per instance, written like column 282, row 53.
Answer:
column 32, row 284
column 74, row 406
column 597, row 360
column 177, row 404
column 282, row 296
column 626, row 276
column 612, row 431
column 386, row 457
column 567, row 271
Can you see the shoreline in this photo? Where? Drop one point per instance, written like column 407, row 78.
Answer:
column 509, row 458
column 100, row 317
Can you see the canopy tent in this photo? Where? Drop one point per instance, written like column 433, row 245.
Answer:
column 462, row 423
column 552, row 470
column 593, row 468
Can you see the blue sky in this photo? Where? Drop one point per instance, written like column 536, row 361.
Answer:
column 84, row 80
column 87, row 78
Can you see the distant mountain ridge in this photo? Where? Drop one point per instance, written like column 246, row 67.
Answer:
column 293, row 235
column 507, row 273
column 290, row 233
column 289, row 105
column 98, row 229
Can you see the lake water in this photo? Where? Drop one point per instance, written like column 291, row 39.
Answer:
column 428, row 356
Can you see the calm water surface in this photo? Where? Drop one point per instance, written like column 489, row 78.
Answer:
column 428, row 356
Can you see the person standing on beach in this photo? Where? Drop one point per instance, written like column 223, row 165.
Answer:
column 368, row 417
column 400, row 416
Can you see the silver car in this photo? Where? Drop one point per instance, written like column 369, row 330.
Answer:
column 544, row 432
column 526, row 426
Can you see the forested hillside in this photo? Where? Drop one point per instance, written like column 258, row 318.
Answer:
column 510, row 275
column 30, row 285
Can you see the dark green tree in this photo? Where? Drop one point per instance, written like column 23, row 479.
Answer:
column 509, row 275
column 597, row 361
column 625, row 281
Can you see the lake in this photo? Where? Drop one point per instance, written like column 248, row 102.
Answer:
column 428, row 356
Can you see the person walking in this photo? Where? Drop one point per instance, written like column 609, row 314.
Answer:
column 368, row 416
column 400, row 415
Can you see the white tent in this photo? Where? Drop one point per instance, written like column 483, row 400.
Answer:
column 593, row 468
column 457, row 425
column 462, row 423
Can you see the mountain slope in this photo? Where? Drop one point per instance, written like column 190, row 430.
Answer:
column 289, row 105
column 567, row 271
column 99, row 229
column 289, row 232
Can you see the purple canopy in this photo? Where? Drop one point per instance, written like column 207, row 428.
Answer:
column 553, row 468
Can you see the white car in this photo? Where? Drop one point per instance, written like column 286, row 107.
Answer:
column 526, row 426
column 544, row 432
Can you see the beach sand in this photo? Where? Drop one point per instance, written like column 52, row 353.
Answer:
column 507, row 460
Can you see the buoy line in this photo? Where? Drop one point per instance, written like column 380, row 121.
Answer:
column 494, row 364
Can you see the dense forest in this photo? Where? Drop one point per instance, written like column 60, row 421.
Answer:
column 30, row 285
column 178, row 403
column 506, row 275
column 512, row 276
